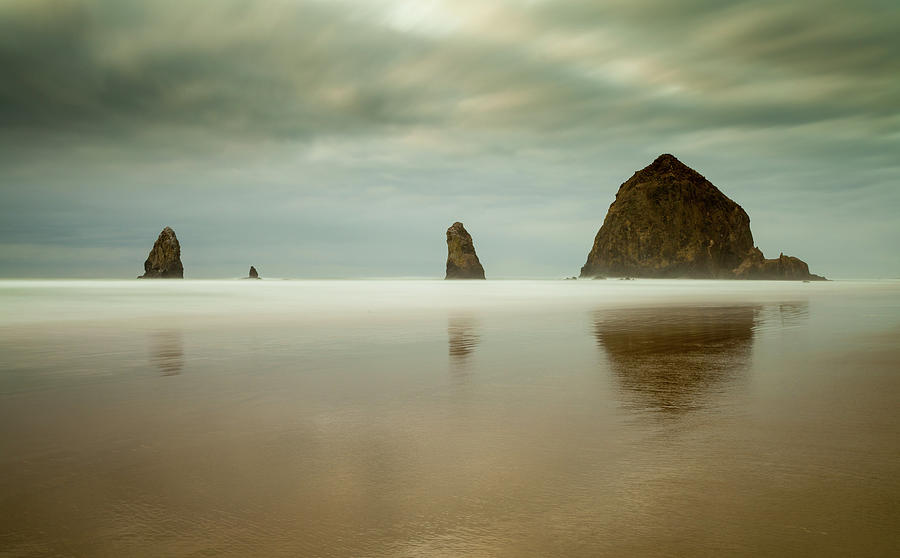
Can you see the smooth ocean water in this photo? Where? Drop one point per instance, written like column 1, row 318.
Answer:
column 431, row 418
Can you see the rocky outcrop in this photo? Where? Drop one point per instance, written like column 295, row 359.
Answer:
column 164, row 261
column 669, row 221
column 462, row 262
column 756, row 266
column 253, row 273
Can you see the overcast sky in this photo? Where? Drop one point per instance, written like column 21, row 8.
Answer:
column 341, row 138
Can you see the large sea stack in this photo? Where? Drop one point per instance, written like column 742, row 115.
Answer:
column 164, row 261
column 462, row 262
column 669, row 221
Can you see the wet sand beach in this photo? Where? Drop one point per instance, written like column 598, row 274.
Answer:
column 423, row 418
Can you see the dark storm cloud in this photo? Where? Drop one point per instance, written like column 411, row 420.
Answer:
column 108, row 66
column 341, row 116
column 295, row 69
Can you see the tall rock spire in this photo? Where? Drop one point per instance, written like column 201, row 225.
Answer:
column 462, row 262
column 164, row 261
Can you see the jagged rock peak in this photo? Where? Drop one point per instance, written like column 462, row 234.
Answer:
column 669, row 164
column 164, row 261
column 253, row 273
column 462, row 262
column 667, row 169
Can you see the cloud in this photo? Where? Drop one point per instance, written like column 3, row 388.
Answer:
column 382, row 108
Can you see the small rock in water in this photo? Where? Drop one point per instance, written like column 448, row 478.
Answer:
column 756, row 266
column 253, row 273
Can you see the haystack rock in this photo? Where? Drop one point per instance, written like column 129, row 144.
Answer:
column 669, row 221
column 462, row 262
column 164, row 261
column 253, row 273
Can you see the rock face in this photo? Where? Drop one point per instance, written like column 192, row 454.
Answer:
column 669, row 221
column 462, row 262
column 164, row 261
column 253, row 274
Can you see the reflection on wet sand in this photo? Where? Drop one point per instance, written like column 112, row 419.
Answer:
column 793, row 313
column 671, row 358
column 167, row 352
column 356, row 433
column 462, row 338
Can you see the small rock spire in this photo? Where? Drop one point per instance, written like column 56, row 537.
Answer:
column 462, row 262
column 164, row 261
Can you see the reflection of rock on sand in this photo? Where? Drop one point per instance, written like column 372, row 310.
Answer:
column 462, row 338
column 793, row 313
column 672, row 358
column 167, row 352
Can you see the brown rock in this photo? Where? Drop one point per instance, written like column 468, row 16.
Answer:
column 253, row 273
column 462, row 262
column 669, row 221
column 164, row 261
column 756, row 266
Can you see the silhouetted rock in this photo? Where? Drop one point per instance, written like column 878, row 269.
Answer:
column 164, row 261
column 669, row 221
column 462, row 262
column 253, row 273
